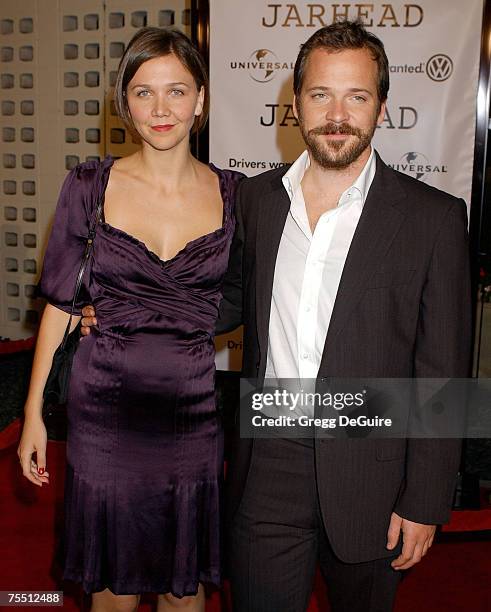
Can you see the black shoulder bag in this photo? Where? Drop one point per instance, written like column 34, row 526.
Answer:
column 56, row 388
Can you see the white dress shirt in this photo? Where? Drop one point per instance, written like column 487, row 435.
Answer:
column 307, row 274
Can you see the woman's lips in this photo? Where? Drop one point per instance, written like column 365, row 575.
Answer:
column 163, row 128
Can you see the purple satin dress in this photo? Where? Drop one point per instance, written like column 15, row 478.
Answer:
column 144, row 449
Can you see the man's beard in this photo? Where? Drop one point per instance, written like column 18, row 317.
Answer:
column 336, row 154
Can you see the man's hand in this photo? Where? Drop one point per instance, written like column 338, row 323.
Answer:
column 416, row 538
column 88, row 319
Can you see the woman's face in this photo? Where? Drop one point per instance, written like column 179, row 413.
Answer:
column 163, row 101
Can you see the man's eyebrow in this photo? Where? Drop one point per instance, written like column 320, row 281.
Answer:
column 350, row 90
column 319, row 88
column 358, row 89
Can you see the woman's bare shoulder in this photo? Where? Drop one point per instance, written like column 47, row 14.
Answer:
column 125, row 172
column 127, row 165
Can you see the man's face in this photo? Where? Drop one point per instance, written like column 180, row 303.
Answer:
column 338, row 107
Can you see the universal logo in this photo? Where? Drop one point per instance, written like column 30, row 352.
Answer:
column 263, row 65
column 417, row 165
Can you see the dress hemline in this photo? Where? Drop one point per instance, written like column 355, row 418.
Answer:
column 122, row 588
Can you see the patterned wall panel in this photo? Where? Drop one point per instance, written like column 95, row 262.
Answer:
column 81, row 49
column 58, row 60
column 19, row 180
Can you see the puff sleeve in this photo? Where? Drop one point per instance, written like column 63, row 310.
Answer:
column 66, row 246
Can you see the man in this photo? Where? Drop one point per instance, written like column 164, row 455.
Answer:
column 341, row 267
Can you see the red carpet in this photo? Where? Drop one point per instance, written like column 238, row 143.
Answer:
column 454, row 577
column 14, row 346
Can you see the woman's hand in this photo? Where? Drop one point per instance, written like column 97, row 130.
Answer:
column 34, row 436
column 34, row 440
column 88, row 319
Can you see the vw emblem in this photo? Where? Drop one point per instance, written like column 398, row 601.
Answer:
column 439, row 67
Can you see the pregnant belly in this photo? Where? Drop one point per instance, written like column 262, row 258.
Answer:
column 144, row 395
column 143, row 373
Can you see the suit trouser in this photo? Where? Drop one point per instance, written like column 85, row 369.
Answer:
column 277, row 538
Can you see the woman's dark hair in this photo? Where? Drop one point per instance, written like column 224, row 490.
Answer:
column 150, row 43
column 340, row 36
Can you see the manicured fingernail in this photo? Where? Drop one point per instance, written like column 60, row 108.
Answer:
column 40, row 471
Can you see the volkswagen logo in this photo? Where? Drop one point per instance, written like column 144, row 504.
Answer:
column 439, row 67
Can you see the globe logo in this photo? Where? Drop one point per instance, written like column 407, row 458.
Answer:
column 415, row 164
column 262, row 64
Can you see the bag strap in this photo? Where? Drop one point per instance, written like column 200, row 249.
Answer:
column 83, row 266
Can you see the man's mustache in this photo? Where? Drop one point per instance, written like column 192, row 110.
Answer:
column 336, row 128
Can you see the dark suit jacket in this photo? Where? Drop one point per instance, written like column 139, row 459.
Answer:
column 402, row 310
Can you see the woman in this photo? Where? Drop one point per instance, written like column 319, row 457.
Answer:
column 144, row 456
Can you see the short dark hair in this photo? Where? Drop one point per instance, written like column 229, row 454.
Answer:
column 150, row 43
column 337, row 37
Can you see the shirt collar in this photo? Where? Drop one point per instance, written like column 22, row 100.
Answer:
column 292, row 179
column 364, row 180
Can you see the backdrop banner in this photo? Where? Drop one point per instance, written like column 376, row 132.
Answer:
column 428, row 132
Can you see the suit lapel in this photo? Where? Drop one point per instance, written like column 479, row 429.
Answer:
column 271, row 221
column 379, row 223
